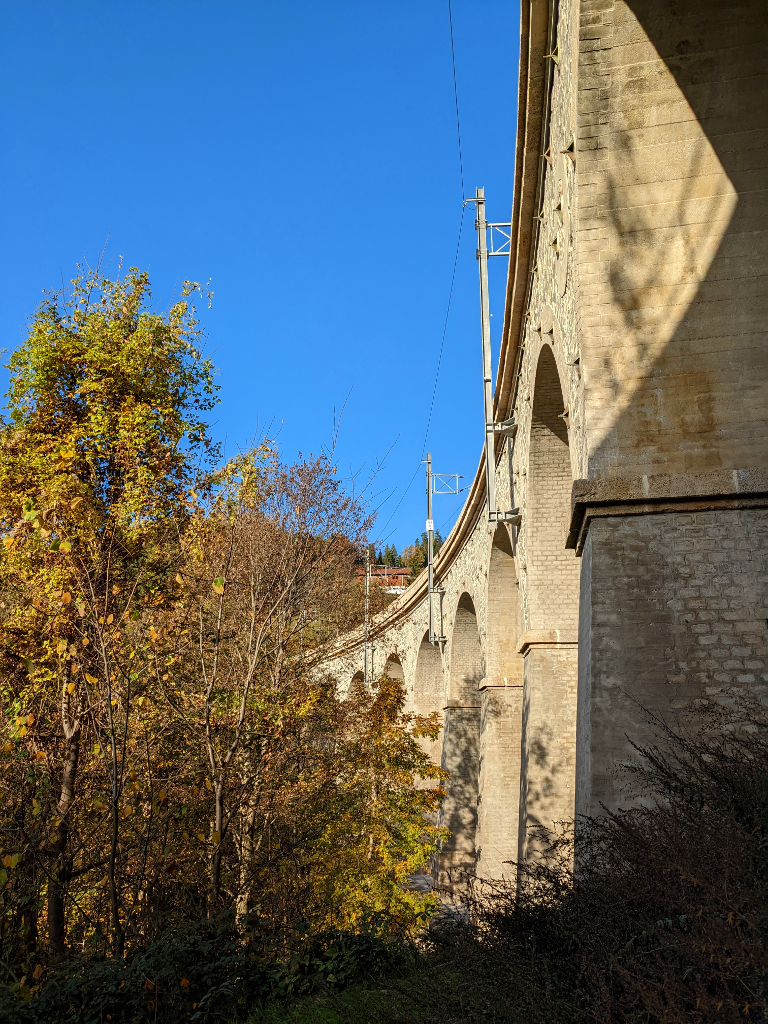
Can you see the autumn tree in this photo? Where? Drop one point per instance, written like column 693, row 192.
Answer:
column 101, row 444
column 172, row 746
column 277, row 743
column 415, row 555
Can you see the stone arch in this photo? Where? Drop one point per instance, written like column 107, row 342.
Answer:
column 429, row 695
column 553, row 570
column 500, row 716
column 549, row 644
column 504, row 666
column 461, row 747
column 428, row 685
column 358, row 677
column 394, row 668
column 467, row 664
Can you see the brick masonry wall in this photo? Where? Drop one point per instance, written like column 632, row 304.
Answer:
column 498, row 806
column 429, row 691
column 678, row 608
column 553, row 571
column 504, row 665
column 547, row 786
column 428, row 685
column 467, row 659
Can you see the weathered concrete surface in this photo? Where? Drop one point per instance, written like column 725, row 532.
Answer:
column 635, row 362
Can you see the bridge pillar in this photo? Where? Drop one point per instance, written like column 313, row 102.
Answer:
column 676, row 608
column 498, row 799
column 461, row 751
column 548, row 762
column 461, row 747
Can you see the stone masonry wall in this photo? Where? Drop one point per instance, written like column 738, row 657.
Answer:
column 678, row 612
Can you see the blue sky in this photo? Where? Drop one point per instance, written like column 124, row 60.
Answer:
column 303, row 155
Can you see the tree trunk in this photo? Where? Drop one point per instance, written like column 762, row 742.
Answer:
column 218, row 824
column 57, row 884
column 247, row 853
column 118, row 933
column 29, row 931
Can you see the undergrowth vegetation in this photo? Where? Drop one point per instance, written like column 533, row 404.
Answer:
column 663, row 920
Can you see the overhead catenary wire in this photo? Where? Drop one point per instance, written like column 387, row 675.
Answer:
column 453, row 274
column 456, row 97
column 461, row 225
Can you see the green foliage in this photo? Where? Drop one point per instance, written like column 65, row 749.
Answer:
column 106, row 404
column 207, row 973
column 391, row 557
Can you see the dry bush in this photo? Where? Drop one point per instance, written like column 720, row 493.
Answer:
column 663, row 918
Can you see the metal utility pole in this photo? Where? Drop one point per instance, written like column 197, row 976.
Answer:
column 433, row 480
column 507, row 427
column 430, row 551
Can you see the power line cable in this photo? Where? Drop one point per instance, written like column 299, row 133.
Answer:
column 456, row 98
column 453, row 273
column 461, row 225
column 445, row 328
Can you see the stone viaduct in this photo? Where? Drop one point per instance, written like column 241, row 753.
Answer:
column 635, row 364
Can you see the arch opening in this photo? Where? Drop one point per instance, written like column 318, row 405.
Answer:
column 500, row 717
column 394, row 668
column 504, row 664
column 461, row 748
column 428, row 686
column 429, row 697
column 553, row 570
column 547, row 769
column 467, row 662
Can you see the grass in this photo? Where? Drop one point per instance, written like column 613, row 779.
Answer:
column 435, row 990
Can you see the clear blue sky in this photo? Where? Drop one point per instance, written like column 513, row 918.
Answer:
column 303, row 155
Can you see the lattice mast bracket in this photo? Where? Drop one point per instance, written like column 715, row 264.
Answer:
column 437, row 483
column 500, row 246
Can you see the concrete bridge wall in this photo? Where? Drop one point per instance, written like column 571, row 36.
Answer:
column 635, row 363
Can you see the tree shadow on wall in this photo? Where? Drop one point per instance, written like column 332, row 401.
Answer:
column 541, row 791
column 685, row 269
column 461, row 759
